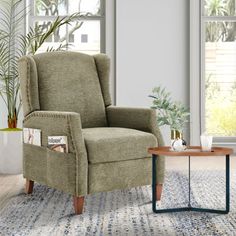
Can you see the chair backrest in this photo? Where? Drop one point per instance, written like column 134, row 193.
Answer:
column 66, row 81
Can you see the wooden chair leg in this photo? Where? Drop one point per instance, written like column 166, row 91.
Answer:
column 159, row 191
column 78, row 205
column 29, row 186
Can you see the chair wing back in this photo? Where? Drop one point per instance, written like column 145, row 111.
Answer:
column 66, row 81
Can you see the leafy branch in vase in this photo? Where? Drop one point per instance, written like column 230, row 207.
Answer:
column 170, row 112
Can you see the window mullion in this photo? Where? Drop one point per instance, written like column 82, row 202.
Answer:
column 219, row 18
column 102, row 27
column 91, row 46
column 67, row 27
column 204, row 19
column 202, row 76
column 51, row 18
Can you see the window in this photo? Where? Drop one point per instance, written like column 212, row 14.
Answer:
column 218, row 66
column 86, row 35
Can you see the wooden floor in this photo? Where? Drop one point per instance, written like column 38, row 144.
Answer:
column 12, row 185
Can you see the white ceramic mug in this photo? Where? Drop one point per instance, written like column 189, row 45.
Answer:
column 206, row 142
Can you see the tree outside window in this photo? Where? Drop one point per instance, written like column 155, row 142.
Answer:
column 219, row 22
column 86, row 35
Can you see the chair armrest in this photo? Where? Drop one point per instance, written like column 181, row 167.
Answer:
column 54, row 123
column 143, row 119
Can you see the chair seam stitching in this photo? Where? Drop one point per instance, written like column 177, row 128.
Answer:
column 75, row 149
column 27, row 86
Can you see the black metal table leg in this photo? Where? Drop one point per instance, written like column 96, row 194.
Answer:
column 190, row 208
column 154, row 162
column 227, row 167
column 189, row 182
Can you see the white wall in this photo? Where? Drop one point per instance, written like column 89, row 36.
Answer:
column 152, row 49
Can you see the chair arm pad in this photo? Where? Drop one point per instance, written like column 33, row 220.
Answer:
column 135, row 118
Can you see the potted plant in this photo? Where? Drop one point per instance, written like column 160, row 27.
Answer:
column 13, row 45
column 170, row 113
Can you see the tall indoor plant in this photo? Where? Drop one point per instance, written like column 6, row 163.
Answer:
column 170, row 113
column 13, row 45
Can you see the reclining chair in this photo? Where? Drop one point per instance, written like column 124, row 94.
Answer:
column 67, row 94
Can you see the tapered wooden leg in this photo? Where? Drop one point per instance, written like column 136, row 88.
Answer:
column 29, row 186
column 159, row 191
column 78, row 205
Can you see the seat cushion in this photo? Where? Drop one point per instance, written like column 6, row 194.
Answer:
column 105, row 144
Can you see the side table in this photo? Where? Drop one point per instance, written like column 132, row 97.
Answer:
column 190, row 152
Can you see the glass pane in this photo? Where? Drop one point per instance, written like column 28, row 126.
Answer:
column 57, row 39
column 220, row 78
column 50, row 7
column 219, row 7
column 85, row 6
column 85, row 36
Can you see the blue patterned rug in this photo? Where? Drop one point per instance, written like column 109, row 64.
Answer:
column 125, row 212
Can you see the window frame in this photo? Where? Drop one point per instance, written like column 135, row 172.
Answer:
column 197, row 73
column 205, row 19
column 194, row 72
column 31, row 18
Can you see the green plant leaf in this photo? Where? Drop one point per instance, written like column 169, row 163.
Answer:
column 13, row 45
column 170, row 112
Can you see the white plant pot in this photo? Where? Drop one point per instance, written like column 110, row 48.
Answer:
column 11, row 155
column 166, row 134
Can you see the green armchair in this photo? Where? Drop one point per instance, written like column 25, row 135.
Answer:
column 67, row 94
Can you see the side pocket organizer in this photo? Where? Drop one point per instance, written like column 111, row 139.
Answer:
column 35, row 163
column 61, row 169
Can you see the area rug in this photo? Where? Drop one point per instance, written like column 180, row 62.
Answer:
column 125, row 212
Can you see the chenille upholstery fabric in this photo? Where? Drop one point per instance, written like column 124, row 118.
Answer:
column 67, row 94
column 103, row 63
column 119, row 175
column 64, row 78
column 49, row 171
column 143, row 119
column 29, row 85
column 117, row 144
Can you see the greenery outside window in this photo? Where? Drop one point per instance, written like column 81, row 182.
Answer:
column 86, row 35
column 218, row 57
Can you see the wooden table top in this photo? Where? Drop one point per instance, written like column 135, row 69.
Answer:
column 191, row 151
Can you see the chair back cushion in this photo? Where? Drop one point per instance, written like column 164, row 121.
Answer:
column 68, row 81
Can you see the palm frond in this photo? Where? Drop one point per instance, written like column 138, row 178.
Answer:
column 13, row 45
column 40, row 37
